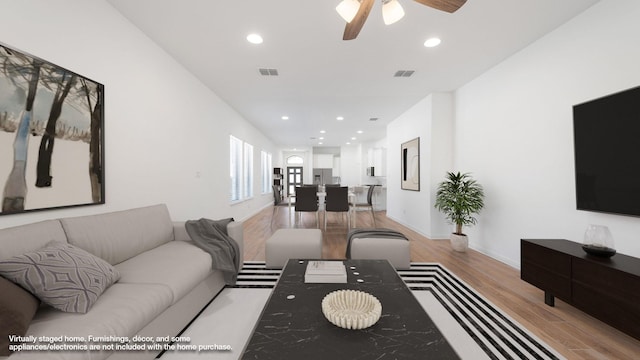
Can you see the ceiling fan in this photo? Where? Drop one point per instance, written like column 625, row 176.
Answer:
column 355, row 12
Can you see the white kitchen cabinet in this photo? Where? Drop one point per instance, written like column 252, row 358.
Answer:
column 323, row 161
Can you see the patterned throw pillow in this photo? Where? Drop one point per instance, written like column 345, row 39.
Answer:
column 61, row 275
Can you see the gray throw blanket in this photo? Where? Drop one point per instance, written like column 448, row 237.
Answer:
column 372, row 233
column 212, row 237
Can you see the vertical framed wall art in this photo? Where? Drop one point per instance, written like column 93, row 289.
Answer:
column 51, row 135
column 410, row 165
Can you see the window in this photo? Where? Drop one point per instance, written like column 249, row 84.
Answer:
column 248, row 171
column 267, row 176
column 241, row 169
column 295, row 160
column 235, row 173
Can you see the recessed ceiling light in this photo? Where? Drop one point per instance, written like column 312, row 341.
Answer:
column 320, row 143
column 340, row 118
column 285, row 117
column 254, row 39
column 348, row 143
column 432, row 42
column 322, row 131
column 353, row 138
column 359, row 131
column 321, row 137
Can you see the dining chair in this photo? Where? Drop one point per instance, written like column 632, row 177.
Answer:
column 337, row 200
column 368, row 205
column 278, row 202
column 307, row 201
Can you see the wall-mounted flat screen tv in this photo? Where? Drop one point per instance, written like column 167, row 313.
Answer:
column 607, row 153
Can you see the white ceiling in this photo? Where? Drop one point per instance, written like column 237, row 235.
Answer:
column 320, row 75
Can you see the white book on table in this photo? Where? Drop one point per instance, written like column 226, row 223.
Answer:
column 320, row 271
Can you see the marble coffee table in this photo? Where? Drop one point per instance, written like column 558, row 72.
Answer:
column 292, row 325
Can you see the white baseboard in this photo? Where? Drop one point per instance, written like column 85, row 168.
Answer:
column 429, row 236
column 496, row 257
column 471, row 246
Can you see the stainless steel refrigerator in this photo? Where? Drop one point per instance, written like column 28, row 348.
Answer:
column 322, row 176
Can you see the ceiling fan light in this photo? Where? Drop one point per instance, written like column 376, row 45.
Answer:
column 391, row 11
column 348, row 9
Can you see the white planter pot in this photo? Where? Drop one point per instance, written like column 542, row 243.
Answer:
column 459, row 242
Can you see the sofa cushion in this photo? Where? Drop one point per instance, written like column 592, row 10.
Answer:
column 18, row 240
column 178, row 265
column 17, row 307
column 120, row 235
column 397, row 251
column 61, row 275
column 123, row 310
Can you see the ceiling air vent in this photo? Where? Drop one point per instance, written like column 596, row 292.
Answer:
column 268, row 72
column 404, row 73
column 373, row 119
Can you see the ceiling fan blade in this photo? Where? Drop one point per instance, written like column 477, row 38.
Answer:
column 449, row 6
column 353, row 28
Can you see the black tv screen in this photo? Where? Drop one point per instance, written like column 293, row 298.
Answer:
column 607, row 153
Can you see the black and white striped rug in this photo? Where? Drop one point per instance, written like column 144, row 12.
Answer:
column 495, row 332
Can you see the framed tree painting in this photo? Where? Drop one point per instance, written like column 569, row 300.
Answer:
column 410, row 165
column 51, row 135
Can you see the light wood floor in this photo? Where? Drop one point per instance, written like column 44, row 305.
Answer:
column 569, row 331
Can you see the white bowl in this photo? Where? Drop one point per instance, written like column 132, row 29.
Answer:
column 351, row 309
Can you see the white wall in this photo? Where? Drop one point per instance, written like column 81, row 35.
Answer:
column 166, row 134
column 513, row 130
column 351, row 166
column 431, row 119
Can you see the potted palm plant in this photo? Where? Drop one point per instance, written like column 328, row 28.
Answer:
column 459, row 197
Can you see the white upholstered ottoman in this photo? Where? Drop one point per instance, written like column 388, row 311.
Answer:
column 397, row 251
column 287, row 244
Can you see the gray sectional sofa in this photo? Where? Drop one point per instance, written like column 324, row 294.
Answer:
column 164, row 279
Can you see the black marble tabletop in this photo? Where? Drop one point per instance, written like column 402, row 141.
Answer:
column 292, row 325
